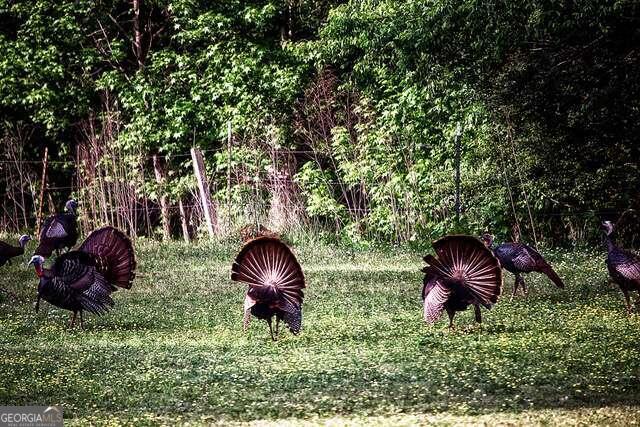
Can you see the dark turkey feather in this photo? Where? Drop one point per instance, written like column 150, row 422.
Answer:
column 623, row 266
column 275, row 281
column 293, row 320
column 54, row 228
column 435, row 300
column 463, row 272
column 83, row 280
column 629, row 267
column 8, row 251
column 519, row 258
column 58, row 232
column 114, row 253
column 75, row 284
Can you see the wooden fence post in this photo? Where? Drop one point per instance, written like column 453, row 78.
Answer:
column 164, row 208
column 45, row 162
column 209, row 210
column 183, row 222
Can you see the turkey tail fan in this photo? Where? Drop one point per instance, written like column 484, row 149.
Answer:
column 271, row 270
column 551, row 274
column 465, row 260
column 114, row 252
column 435, row 301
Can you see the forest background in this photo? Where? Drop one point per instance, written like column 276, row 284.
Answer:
column 345, row 119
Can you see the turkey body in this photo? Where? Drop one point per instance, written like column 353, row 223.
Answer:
column 623, row 266
column 83, row 280
column 463, row 273
column 275, row 282
column 76, row 283
column 458, row 300
column 267, row 311
column 58, row 232
column 8, row 251
column 518, row 258
column 624, row 269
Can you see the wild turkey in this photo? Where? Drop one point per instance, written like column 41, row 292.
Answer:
column 624, row 266
column 8, row 251
column 59, row 231
column 85, row 278
column 275, row 282
column 463, row 272
column 519, row 258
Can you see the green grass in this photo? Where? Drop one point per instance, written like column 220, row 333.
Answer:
column 173, row 350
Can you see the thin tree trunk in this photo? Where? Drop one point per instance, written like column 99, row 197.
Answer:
column 137, row 33
column 183, row 222
column 209, row 210
column 164, row 207
column 43, row 184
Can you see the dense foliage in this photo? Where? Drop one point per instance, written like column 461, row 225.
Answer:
column 364, row 101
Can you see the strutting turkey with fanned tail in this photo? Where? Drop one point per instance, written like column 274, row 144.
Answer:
column 623, row 266
column 59, row 231
column 519, row 258
column 463, row 272
column 83, row 280
column 275, row 282
column 8, row 251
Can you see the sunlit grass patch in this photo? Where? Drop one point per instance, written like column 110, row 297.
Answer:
column 173, row 349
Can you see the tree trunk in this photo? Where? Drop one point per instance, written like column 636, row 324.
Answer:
column 164, row 206
column 208, row 209
column 183, row 222
column 137, row 34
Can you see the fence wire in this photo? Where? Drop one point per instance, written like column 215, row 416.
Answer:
column 142, row 213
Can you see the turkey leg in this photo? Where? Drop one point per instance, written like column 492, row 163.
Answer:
column 524, row 287
column 451, row 313
column 476, row 308
column 515, row 286
column 73, row 320
column 271, row 329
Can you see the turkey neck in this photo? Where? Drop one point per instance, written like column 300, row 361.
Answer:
column 610, row 245
column 39, row 271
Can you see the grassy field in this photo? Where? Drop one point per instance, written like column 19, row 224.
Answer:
column 173, row 350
